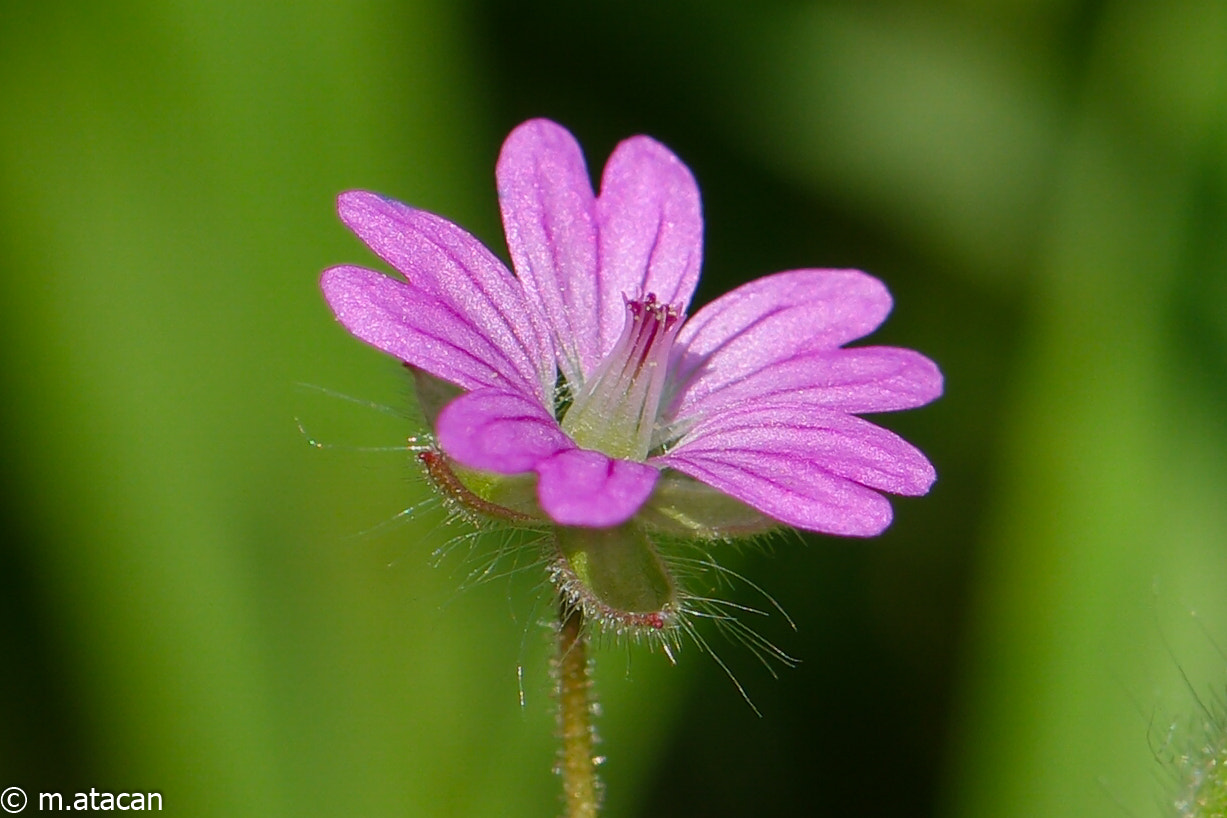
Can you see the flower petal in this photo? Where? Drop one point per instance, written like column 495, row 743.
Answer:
column 651, row 232
column 858, row 380
column 773, row 318
column 841, row 444
column 582, row 487
column 810, row 467
column 795, row 492
column 549, row 215
column 442, row 259
column 499, row 431
column 417, row 328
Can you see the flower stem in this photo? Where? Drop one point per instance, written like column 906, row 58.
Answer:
column 581, row 792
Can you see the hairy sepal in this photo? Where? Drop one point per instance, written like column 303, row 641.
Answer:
column 616, row 577
column 482, row 496
column 432, row 393
column 683, row 507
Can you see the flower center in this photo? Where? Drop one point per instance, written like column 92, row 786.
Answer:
column 615, row 410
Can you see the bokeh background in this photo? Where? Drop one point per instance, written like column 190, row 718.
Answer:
column 195, row 600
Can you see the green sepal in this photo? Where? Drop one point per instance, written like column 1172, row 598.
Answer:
column 515, row 492
column 433, row 393
column 615, row 573
column 684, row 507
column 510, row 499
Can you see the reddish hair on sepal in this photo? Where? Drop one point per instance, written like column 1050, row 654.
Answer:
column 439, row 470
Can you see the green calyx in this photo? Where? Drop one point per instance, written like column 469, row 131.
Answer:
column 615, row 575
column 683, row 507
column 506, row 499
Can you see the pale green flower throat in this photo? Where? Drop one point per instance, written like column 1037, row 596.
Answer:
column 615, row 410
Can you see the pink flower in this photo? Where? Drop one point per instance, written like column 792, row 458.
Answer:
column 583, row 369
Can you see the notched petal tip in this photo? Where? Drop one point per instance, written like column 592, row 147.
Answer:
column 922, row 479
column 352, row 292
column 537, row 132
column 585, row 488
column 359, row 208
column 648, row 156
column 333, row 280
column 935, row 378
column 651, row 230
column 347, row 200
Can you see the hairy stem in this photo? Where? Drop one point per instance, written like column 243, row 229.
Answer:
column 581, row 791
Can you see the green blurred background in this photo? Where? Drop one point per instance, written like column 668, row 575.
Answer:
column 193, row 600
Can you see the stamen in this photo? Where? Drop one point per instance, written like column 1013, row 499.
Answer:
column 615, row 412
